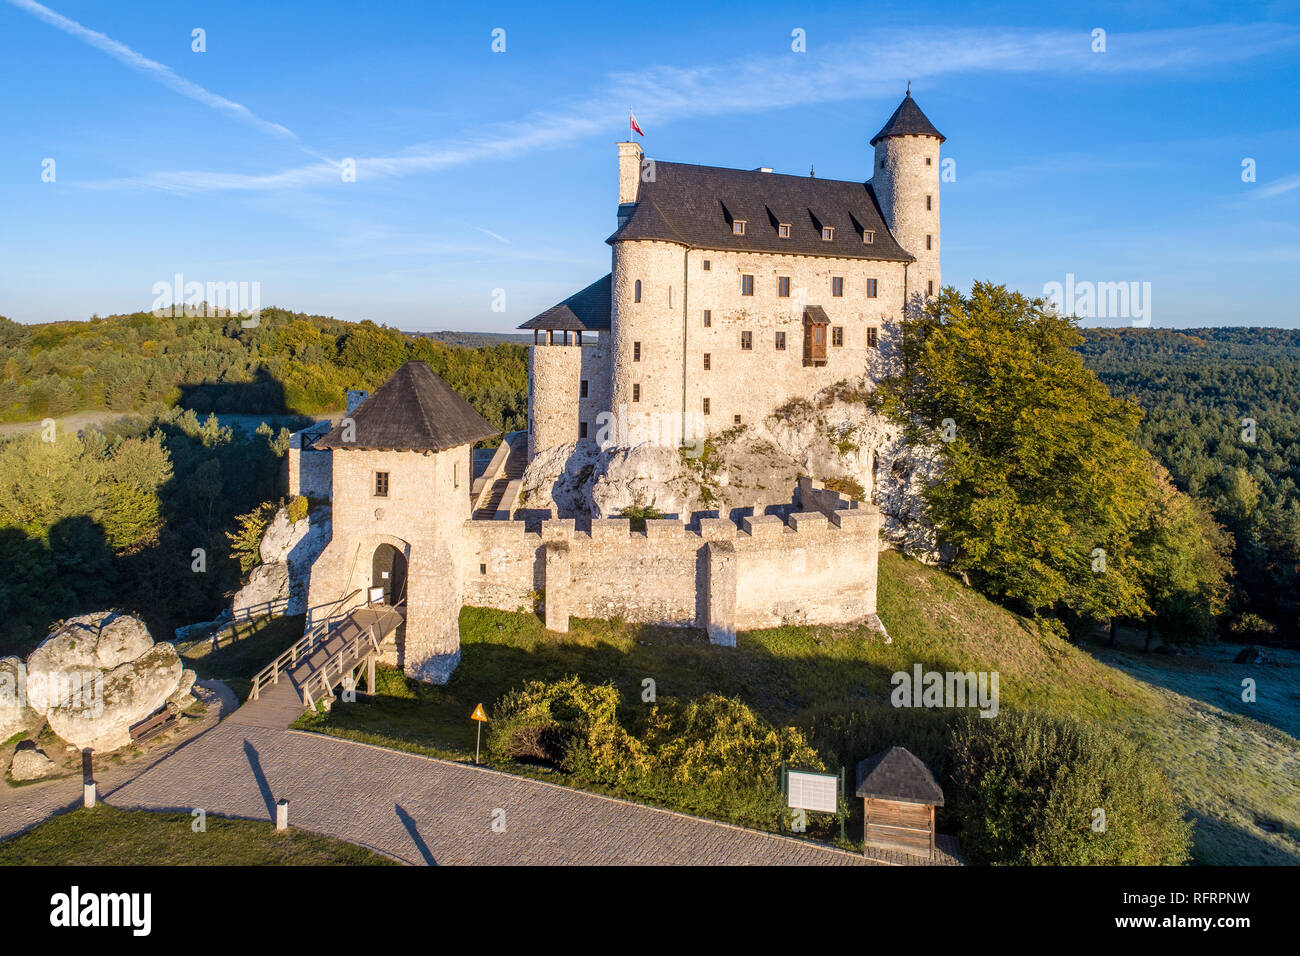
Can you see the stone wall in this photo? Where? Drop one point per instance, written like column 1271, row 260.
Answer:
column 813, row 570
column 902, row 180
column 555, row 403
column 310, row 471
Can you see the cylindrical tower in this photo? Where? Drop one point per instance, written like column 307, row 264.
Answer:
column 906, row 182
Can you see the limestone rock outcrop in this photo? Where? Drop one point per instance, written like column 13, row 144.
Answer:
column 288, row 548
column 15, row 714
column 99, row 674
column 29, row 763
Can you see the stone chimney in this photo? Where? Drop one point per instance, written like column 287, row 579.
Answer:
column 355, row 397
column 629, row 173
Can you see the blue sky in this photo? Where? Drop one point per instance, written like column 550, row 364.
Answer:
column 478, row 170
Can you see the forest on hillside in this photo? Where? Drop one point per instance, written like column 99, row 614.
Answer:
column 288, row 362
column 1222, row 413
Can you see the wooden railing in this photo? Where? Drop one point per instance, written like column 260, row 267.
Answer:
column 347, row 657
column 289, row 659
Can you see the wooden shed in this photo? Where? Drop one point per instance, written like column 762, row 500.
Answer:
column 899, row 795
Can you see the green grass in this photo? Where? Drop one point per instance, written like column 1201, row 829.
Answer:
column 250, row 646
column 797, row 676
column 106, row 836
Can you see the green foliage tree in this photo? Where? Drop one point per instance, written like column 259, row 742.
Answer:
column 1027, row 789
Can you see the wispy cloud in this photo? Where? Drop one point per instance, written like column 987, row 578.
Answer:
column 1277, row 187
column 152, row 68
column 864, row 69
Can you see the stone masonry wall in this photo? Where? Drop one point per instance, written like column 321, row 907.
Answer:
column 902, row 184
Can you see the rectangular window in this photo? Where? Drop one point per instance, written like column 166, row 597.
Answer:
column 746, row 285
column 736, row 419
column 837, row 336
column 928, row 161
column 868, row 236
column 708, row 361
column 929, row 202
column 707, row 265
column 636, row 351
column 582, row 429
column 828, row 233
column 708, row 318
column 738, row 227
column 746, row 340
column 837, row 286
column 783, row 286
column 871, row 288
column 381, row 484
column 482, row 569
column 780, row 341
column 929, row 241
column 873, row 336
column 636, row 391
column 783, row 230
column 929, row 287
column 706, row 406
column 455, row 474
column 582, row 389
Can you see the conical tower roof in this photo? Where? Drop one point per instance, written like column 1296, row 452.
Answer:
column 908, row 120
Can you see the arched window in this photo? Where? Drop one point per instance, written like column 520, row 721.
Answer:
column 638, row 291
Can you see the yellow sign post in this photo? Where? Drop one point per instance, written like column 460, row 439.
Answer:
column 479, row 719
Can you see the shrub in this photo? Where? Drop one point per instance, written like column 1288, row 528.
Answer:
column 1025, row 788
column 246, row 539
column 566, row 723
column 846, row 486
column 638, row 514
column 297, row 509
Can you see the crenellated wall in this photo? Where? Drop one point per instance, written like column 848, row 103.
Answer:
column 817, row 569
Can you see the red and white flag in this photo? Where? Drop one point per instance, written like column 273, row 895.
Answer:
column 631, row 120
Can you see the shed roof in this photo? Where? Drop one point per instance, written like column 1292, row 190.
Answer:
column 414, row 410
column 585, row 311
column 897, row 774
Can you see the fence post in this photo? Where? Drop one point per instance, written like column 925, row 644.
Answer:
column 282, row 814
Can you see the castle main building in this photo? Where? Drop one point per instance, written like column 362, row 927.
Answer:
column 734, row 291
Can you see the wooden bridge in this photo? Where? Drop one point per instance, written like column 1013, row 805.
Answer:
column 335, row 651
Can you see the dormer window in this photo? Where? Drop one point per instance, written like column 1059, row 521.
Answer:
column 868, row 236
column 738, row 227
column 783, row 230
column 828, row 233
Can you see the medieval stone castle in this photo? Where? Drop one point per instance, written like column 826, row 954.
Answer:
column 731, row 292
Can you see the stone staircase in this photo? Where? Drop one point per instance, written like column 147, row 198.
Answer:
column 494, row 504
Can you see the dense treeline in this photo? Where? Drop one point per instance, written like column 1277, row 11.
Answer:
column 1222, row 413
column 288, row 362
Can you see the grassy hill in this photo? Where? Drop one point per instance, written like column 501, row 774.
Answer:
column 834, row 683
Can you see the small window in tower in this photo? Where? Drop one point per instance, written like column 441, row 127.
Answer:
column 582, row 429
column 871, row 288
column 670, row 297
column 929, row 241
column 929, row 161
column 708, row 361
column 455, row 474
column 636, row 391
column 929, row 202
column 736, row 419
column 783, row 286
column 637, row 292
column 738, row 227
column 746, row 285
column 837, row 286
column 882, row 164
column 708, row 318
column 780, row 341
column 828, row 233
column 582, row 388
column 929, row 287
column 707, row 265
column 837, row 336
column 636, row 351
column 873, row 337
column 868, row 236
column 706, row 406
column 482, row 569
column 381, row 484
column 746, row 340
column 783, row 230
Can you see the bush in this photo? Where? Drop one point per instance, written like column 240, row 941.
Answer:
column 298, row 508
column 566, row 723
column 639, row 514
column 1025, row 788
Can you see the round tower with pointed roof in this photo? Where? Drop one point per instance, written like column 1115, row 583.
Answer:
column 906, row 182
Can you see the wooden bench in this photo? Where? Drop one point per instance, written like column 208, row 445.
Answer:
column 151, row 727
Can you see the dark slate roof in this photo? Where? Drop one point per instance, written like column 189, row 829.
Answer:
column 585, row 311
column 896, row 774
column 415, row 410
column 908, row 120
column 696, row 206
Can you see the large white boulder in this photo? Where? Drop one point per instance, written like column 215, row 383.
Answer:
column 288, row 549
column 30, row 764
column 99, row 674
column 267, row 592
